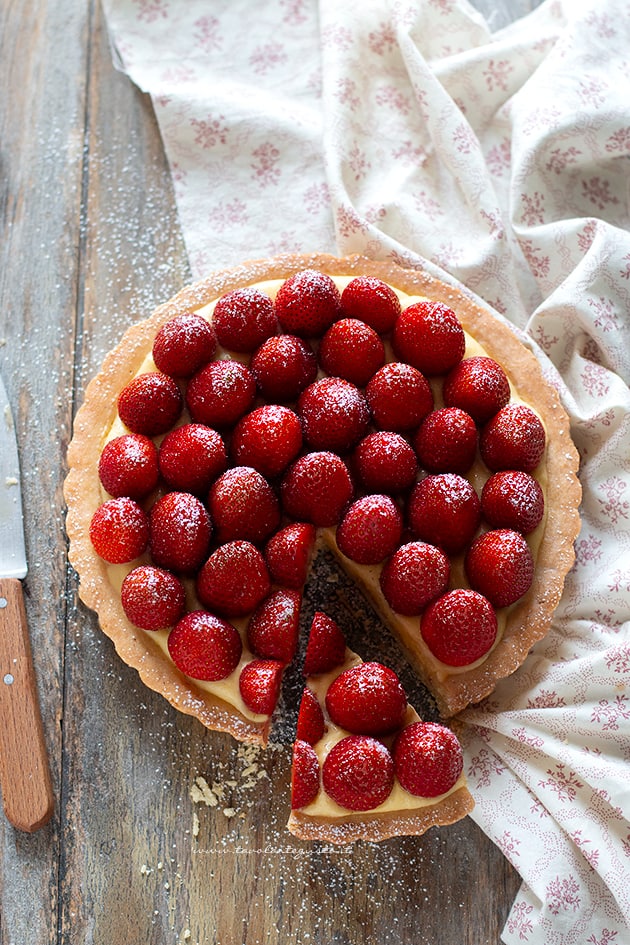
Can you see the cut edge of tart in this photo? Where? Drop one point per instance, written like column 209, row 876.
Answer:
column 439, row 795
column 527, row 620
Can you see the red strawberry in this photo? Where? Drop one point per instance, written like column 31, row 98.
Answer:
column 334, row 414
column 428, row 759
column 326, row 647
column 283, row 366
column 128, row 466
column 220, row 393
column 183, row 344
column 307, row 303
column 180, row 532
column 304, row 775
column 152, row 599
column 429, row 335
column 499, row 564
column 479, row 386
column 244, row 318
column 371, row 300
column 447, row 441
column 317, row 488
column 358, row 773
column 119, row 530
column 310, row 723
column 191, row 457
column 385, row 462
column 352, row 350
column 205, row 647
column 444, row 510
column 459, row 627
column 272, row 632
column 151, row 403
column 513, row 439
column 399, row 397
column 513, row 499
column 268, row 439
column 371, row 529
column 288, row 554
column 259, row 685
column 413, row 576
column 367, row 699
column 243, row 505
column 234, row 579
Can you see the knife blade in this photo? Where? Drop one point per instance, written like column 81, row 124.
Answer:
column 25, row 781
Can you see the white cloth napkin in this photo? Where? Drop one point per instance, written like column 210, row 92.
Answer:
column 410, row 131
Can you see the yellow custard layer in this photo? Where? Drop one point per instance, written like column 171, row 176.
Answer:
column 399, row 800
column 407, row 628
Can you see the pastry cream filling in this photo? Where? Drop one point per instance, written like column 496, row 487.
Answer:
column 408, row 628
column 399, row 800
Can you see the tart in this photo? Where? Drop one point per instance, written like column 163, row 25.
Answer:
column 365, row 766
column 308, row 400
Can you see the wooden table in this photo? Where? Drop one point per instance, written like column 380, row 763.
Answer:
column 90, row 244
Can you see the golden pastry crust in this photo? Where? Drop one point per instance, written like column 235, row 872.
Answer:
column 375, row 827
column 529, row 619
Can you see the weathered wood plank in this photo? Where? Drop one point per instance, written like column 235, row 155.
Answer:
column 42, row 74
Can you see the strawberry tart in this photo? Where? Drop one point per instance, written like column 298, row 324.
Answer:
column 305, row 401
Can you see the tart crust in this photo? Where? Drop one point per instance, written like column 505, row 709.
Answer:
column 528, row 620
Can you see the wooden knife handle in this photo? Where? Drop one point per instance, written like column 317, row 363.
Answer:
column 27, row 794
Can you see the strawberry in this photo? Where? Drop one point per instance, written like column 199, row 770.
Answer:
column 385, row 462
column 244, row 318
column 317, row 488
column 180, row 532
column 413, row 576
column 479, row 386
column 367, row 699
column 307, row 303
column 428, row 759
column 268, row 439
column 334, row 414
column 372, row 301
column 446, row 441
column 150, row 403
column 358, row 773
column 191, row 457
column 371, row 529
column 429, row 335
column 283, row 367
column 272, row 632
column 184, row 344
column 304, row 775
column 128, row 466
column 234, row 579
column 310, row 722
column 204, row 646
column 352, row 350
column 499, row 564
column 444, row 510
column 152, row 598
column 220, row 393
column 513, row 499
column 242, row 504
column 288, row 554
column 399, row 397
column 513, row 439
column 326, row 647
column 119, row 530
column 259, row 685
column 459, row 627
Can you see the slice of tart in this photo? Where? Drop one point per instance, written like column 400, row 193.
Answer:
column 365, row 766
column 343, row 397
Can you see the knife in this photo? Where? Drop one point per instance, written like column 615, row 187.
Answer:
column 25, row 781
